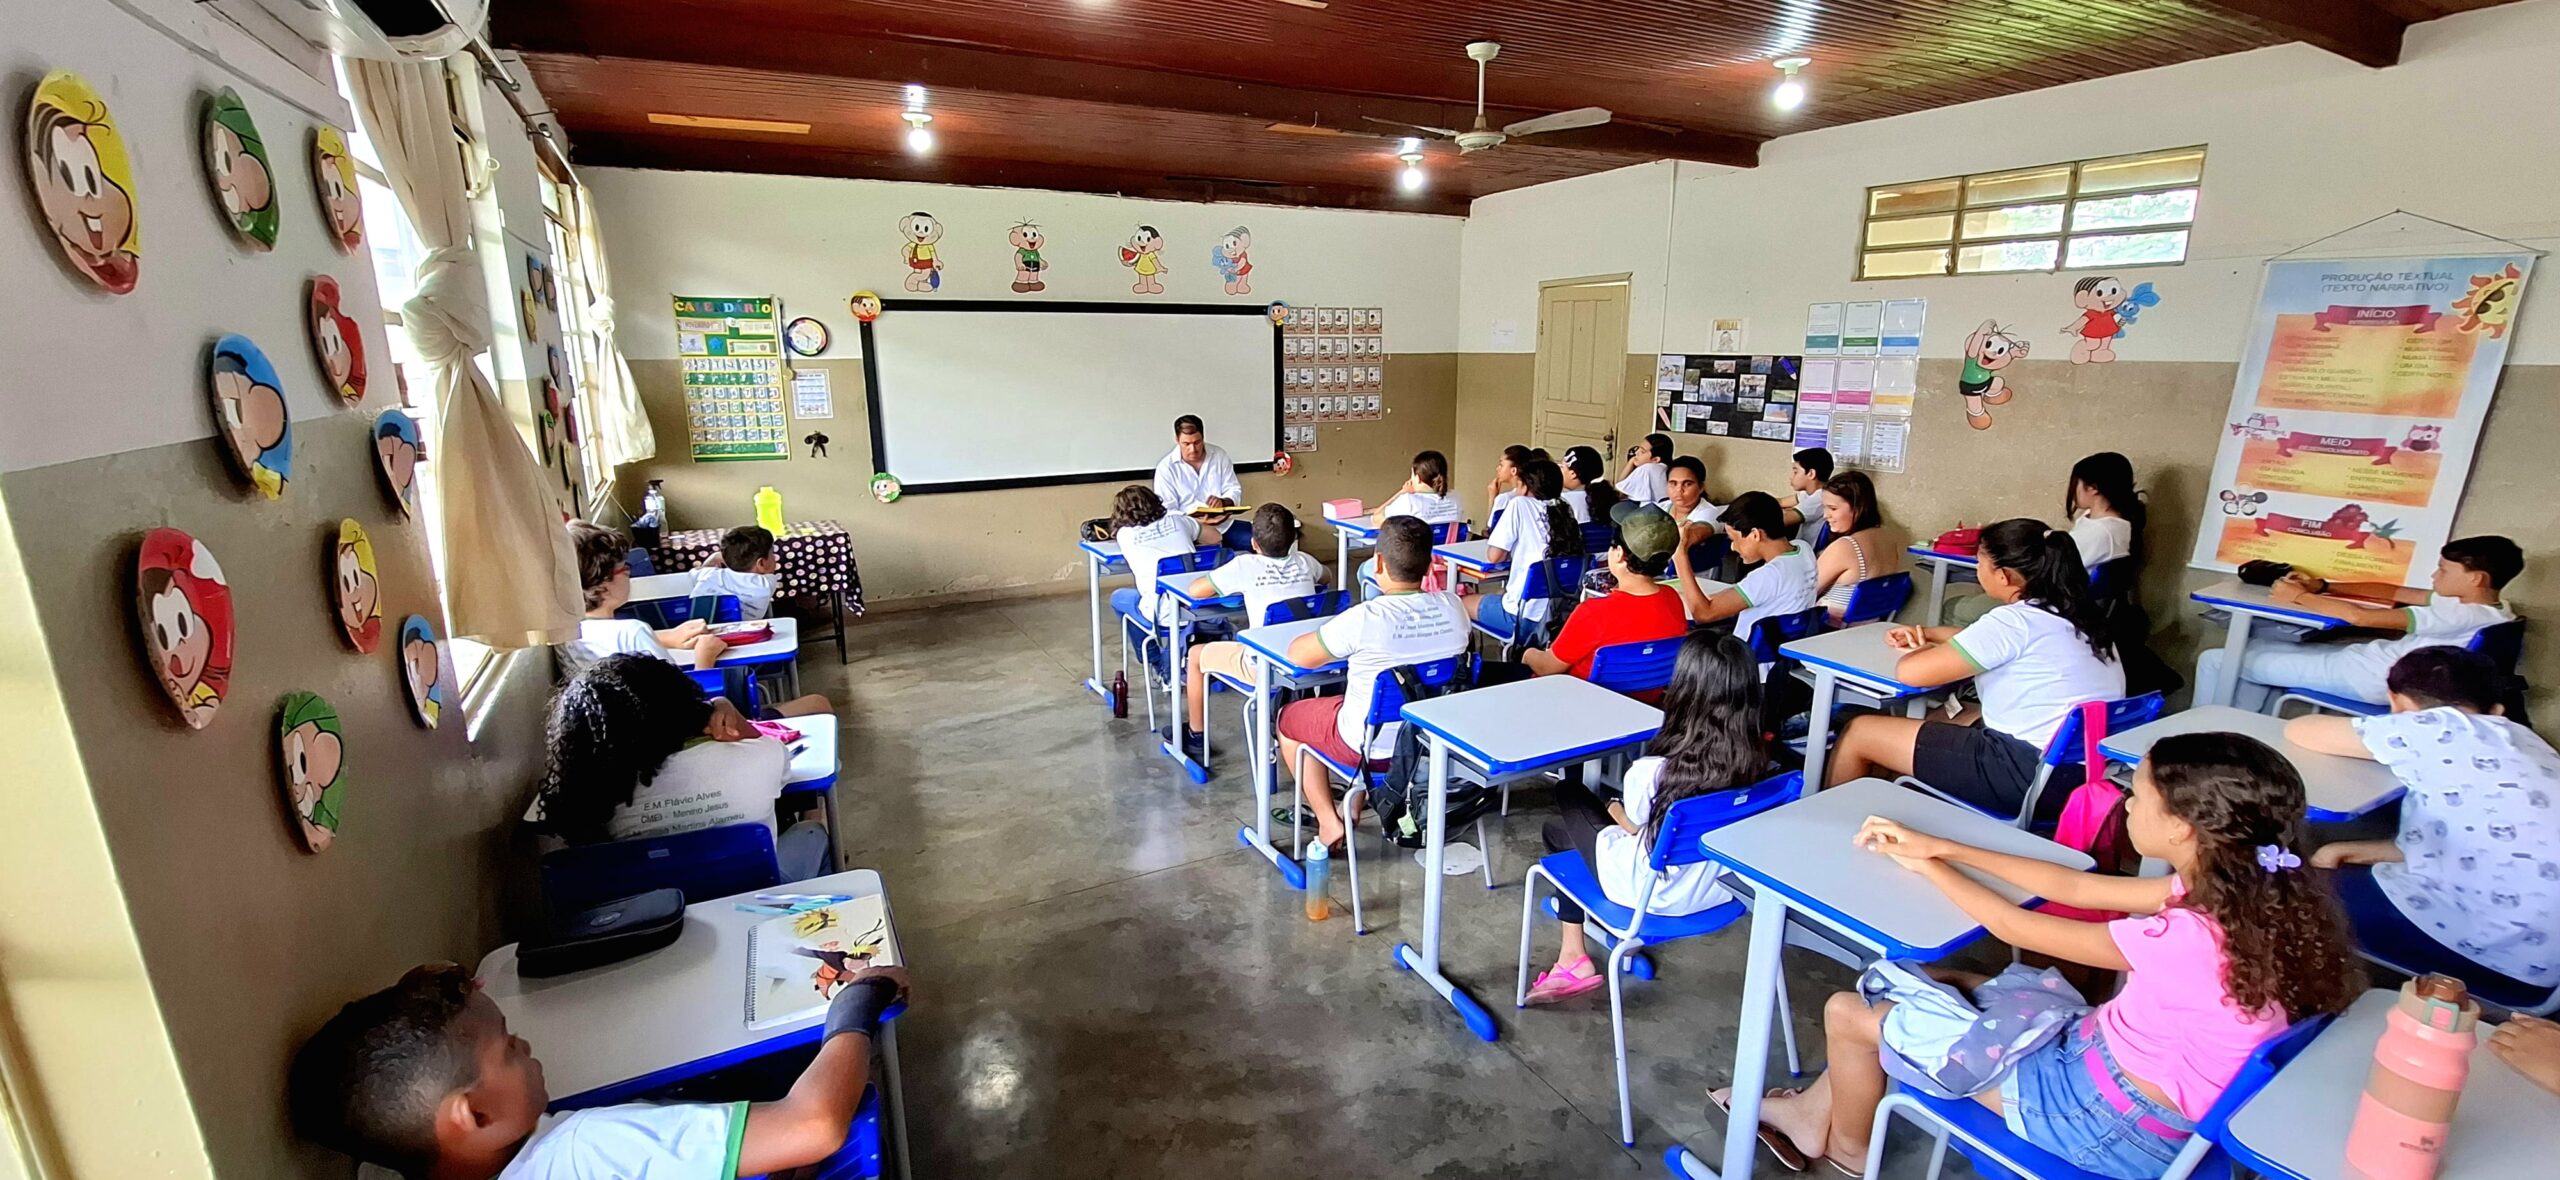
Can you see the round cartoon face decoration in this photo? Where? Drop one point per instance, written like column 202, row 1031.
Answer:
column 185, row 609
column 235, row 160
column 313, row 751
column 396, row 451
column 355, row 586
column 248, row 405
column 1282, row 462
column 333, row 169
column 422, row 669
column 865, row 305
column 884, row 488
column 807, row 337
column 1279, row 313
column 84, row 181
column 337, row 342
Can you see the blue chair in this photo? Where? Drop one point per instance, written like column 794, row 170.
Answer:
column 1877, row 599
column 1707, row 557
column 1319, row 605
column 1386, row 705
column 736, row 682
column 1441, row 534
column 1543, row 582
column 1998, row 1152
column 640, row 563
column 2110, row 581
column 1631, row 929
column 1632, row 668
column 1822, row 537
column 1155, row 640
column 1597, row 536
column 706, row 863
column 666, row 613
column 1767, row 634
column 2064, row 750
column 2503, row 643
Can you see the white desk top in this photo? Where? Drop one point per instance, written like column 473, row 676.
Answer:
column 1925, row 553
column 1859, row 653
column 1473, row 556
column 1804, row 850
column 1272, row 642
column 2236, row 595
column 2504, row 1129
column 814, row 757
column 1540, row 722
column 682, row 1003
column 653, row 587
column 2336, row 787
column 784, row 644
column 1362, row 527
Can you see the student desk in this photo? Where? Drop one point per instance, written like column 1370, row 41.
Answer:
column 783, row 650
column 814, row 557
column 616, row 1033
column 1803, row 867
column 1939, row 563
column 1103, row 558
column 814, row 766
column 1857, row 657
column 1471, row 558
column 1272, row 668
column 1506, row 732
column 1187, row 610
column 2244, row 604
column 2296, row 1128
column 1347, row 535
column 2338, row 788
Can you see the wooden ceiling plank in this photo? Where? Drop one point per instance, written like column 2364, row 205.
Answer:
column 2352, row 29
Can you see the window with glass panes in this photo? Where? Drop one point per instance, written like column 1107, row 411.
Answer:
column 569, row 278
column 2117, row 211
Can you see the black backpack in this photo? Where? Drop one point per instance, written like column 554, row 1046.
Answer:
column 1400, row 799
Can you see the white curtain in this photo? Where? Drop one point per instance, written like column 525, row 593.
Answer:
column 621, row 431
column 511, row 578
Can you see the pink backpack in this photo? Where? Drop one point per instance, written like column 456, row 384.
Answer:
column 2093, row 818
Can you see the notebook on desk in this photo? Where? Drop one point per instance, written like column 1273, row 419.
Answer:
column 796, row 962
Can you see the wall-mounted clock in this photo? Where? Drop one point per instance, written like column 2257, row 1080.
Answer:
column 807, row 337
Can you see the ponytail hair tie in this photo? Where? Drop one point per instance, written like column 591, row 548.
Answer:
column 2275, row 858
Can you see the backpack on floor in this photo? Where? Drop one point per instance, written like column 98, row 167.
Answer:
column 1400, row 799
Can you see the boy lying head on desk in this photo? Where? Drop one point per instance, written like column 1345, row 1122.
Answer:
column 422, row 1077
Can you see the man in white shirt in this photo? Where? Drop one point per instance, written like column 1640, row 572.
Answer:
column 1195, row 474
column 2470, row 573
column 1403, row 625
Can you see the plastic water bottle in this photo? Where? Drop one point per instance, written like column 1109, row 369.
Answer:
column 769, row 510
column 1120, row 695
column 2419, row 1067
column 1319, row 866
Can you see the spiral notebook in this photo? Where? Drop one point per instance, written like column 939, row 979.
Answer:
column 796, row 962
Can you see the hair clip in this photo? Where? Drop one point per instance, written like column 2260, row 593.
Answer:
column 2275, row 858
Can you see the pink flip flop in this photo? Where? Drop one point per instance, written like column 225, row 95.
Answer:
column 1556, row 984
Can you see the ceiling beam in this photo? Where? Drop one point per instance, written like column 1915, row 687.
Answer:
column 2352, row 29
column 616, row 149
column 563, row 28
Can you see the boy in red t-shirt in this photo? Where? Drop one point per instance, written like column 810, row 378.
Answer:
column 1641, row 608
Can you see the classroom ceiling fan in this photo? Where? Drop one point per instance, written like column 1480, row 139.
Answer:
column 1481, row 136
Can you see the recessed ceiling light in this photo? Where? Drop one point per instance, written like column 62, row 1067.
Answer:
column 1790, row 92
column 721, row 123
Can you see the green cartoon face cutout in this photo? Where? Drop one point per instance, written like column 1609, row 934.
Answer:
column 235, row 161
column 311, row 746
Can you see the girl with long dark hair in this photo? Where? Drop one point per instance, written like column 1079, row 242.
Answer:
column 1506, row 479
column 2034, row 658
column 1425, row 494
column 1535, row 527
column 1586, row 490
column 2105, row 510
column 1709, row 741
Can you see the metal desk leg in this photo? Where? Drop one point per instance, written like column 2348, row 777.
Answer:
column 842, row 656
column 1751, row 1050
column 1259, row 744
column 1342, row 557
column 1093, row 588
column 2235, row 645
column 896, row 1093
column 1937, row 594
column 1175, row 660
column 1817, row 738
column 1434, row 851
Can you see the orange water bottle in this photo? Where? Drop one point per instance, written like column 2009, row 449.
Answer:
column 2419, row 1066
column 1319, row 869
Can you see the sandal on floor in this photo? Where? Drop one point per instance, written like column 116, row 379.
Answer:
column 1843, row 1169
column 1789, row 1156
column 1555, row 984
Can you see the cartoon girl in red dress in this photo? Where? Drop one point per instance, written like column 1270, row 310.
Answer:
column 2097, row 297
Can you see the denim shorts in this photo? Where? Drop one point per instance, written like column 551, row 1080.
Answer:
column 1496, row 614
column 2054, row 1099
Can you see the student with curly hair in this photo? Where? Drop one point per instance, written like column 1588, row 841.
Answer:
column 2231, row 948
column 604, row 574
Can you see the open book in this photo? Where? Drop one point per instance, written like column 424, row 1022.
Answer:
column 796, row 962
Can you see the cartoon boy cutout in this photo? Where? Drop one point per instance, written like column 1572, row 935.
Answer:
column 1027, row 263
column 314, row 752
column 924, row 265
column 235, row 159
column 395, row 446
column 333, row 169
column 337, row 340
column 252, row 414
column 2097, row 297
column 185, row 609
column 1231, row 258
column 1990, row 349
column 422, row 667
column 83, row 182
column 1144, row 256
column 356, row 586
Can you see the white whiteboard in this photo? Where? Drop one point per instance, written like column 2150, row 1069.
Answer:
column 972, row 397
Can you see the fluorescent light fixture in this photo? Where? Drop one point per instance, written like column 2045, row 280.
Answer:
column 1790, row 92
column 720, row 123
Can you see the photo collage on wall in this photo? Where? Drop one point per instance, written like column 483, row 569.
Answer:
column 1333, row 369
column 1735, row 396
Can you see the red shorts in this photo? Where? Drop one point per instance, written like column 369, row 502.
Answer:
column 1313, row 722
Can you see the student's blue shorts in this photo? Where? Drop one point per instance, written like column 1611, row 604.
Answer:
column 2053, row 1099
column 1497, row 615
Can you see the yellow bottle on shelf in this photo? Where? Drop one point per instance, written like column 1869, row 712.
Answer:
column 769, row 510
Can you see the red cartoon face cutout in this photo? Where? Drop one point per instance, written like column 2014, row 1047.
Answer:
column 184, row 606
column 336, row 342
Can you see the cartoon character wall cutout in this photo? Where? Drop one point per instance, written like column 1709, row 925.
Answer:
column 235, row 160
column 84, row 181
column 1030, row 270
column 355, row 586
column 1233, row 258
column 1144, row 256
column 2239, row 503
column 864, row 305
column 1990, row 349
column 248, row 405
column 1279, row 313
column 422, row 669
column 337, row 342
column 312, row 744
column 885, row 488
column 396, row 451
column 2107, row 308
column 184, row 605
column 923, row 234
column 333, row 172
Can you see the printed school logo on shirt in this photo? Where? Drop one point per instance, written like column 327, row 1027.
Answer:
column 1387, row 632
column 2480, row 831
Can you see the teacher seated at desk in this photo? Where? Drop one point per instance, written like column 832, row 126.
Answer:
column 1195, row 474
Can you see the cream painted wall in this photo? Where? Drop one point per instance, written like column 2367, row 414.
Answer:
column 1606, row 223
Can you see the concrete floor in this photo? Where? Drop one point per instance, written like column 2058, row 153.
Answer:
column 1109, row 985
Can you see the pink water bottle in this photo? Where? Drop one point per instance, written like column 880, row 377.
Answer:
column 2419, row 1066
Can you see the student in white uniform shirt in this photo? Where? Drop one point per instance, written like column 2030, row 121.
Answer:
column 1424, row 494
column 1506, row 482
column 1585, row 491
column 423, row 1078
column 1274, row 572
column 1782, row 585
column 2034, row 658
column 1537, row 527
column 1811, row 469
column 745, row 570
column 1685, row 488
column 604, row 575
column 1646, row 467
column 1195, row 474
column 1148, row 532
column 2462, row 598
column 2106, row 511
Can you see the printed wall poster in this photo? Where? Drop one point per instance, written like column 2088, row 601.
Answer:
column 1862, row 329
column 84, row 181
column 1904, row 320
column 235, row 161
column 184, row 604
column 311, row 746
column 731, row 352
column 2358, row 405
column 1822, row 329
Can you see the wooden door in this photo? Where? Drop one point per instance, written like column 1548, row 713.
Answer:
column 1582, row 365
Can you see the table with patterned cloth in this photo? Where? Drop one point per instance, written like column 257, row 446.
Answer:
column 816, row 557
